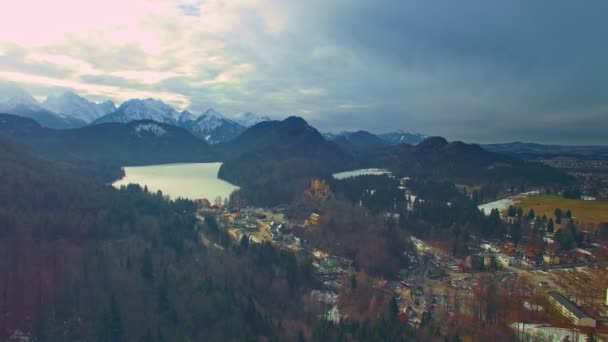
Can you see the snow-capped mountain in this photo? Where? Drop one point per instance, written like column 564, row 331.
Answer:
column 16, row 101
column 72, row 104
column 401, row 137
column 248, row 119
column 210, row 125
column 214, row 127
column 148, row 109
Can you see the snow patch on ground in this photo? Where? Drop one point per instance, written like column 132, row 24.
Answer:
column 361, row 172
column 500, row 205
column 150, row 128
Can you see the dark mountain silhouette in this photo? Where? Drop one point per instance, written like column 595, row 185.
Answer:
column 107, row 146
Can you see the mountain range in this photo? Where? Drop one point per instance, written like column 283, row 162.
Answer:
column 531, row 150
column 69, row 110
column 15, row 100
column 73, row 105
column 362, row 140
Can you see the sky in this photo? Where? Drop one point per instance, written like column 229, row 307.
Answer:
column 472, row 70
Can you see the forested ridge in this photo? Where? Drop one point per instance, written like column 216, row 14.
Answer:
column 82, row 261
column 100, row 151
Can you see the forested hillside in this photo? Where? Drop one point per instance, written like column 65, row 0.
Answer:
column 274, row 161
column 438, row 159
column 101, row 150
column 82, row 261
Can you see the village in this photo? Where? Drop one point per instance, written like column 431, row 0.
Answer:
column 570, row 285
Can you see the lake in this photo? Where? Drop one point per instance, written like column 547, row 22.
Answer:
column 361, row 172
column 191, row 180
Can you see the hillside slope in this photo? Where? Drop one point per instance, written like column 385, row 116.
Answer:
column 274, row 160
column 107, row 146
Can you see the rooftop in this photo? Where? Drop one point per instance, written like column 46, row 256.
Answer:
column 567, row 304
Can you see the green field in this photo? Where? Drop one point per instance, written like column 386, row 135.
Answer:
column 585, row 212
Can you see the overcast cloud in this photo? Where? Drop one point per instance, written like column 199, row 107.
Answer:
column 484, row 71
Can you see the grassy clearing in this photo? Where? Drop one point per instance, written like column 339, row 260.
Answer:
column 585, row 212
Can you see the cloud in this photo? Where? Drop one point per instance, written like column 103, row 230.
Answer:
column 192, row 10
column 521, row 70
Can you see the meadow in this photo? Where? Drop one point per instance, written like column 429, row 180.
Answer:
column 586, row 213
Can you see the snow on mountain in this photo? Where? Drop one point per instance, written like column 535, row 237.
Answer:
column 16, row 101
column 12, row 97
column 9, row 91
column 106, row 107
column 72, row 104
column 248, row 119
column 214, row 127
column 329, row 135
column 150, row 128
column 211, row 125
column 185, row 117
column 23, row 102
column 148, row 109
column 402, row 137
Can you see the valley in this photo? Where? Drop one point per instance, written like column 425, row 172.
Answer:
column 285, row 231
column 303, row 171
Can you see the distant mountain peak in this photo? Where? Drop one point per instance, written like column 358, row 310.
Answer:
column 19, row 102
column 76, row 106
column 144, row 109
column 295, row 121
column 433, row 142
column 357, row 140
column 212, row 113
column 214, row 127
column 248, row 119
column 10, row 91
column 402, row 137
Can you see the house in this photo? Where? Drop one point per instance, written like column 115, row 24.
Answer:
column 503, row 260
column 319, row 189
column 550, row 259
column 570, row 310
column 314, row 219
column 487, row 261
column 202, row 203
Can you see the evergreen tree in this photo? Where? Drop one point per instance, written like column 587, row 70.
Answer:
column 147, row 268
column 516, row 233
column 110, row 328
column 531, row 215
column 558, row 216
column 39, row 327
column 393, row 309
column 147, row 337
column 353, row 282
column 245, row 241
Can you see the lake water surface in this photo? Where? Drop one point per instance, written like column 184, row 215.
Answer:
column 192, row 180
